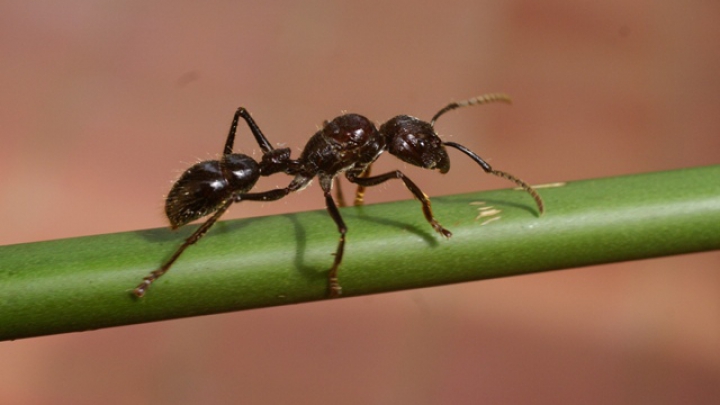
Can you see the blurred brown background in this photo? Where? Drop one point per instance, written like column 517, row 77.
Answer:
column 103, row 103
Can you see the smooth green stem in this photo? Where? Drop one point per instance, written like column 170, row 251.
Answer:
column 85, row 283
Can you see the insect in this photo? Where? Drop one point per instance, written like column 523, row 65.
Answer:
column 212, row 186
column 348, row 144
column 351, row 143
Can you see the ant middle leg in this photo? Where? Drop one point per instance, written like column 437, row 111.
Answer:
column 414, row 189
column 335, row 290
column 298, row 183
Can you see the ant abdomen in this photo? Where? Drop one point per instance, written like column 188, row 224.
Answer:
column 414, row 141
column 241, row 171
column 207, row 185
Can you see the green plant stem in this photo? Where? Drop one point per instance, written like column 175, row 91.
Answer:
column 85, row 283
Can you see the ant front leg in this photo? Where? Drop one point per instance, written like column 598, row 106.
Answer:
column 140, row 290
column 414, row 189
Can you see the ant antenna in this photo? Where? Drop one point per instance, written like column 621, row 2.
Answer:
column 484, row 99
column 485, row 166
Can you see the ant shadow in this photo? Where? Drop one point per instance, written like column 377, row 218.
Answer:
column 301, row 238
column 301, row 248
column 165, row 235
column 355, row 214
column 425, row 234
column 160, row 235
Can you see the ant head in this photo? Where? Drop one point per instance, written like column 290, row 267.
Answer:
column 414, row 141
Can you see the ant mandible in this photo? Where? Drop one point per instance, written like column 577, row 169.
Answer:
column 348, row 144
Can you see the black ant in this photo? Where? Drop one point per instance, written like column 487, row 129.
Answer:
column 349, row 143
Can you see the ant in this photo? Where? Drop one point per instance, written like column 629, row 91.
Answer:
column 348, row 144
column 351, row 143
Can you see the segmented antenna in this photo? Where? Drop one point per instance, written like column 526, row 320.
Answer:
column 484, row 99
column 505, row 175
column 522, row 185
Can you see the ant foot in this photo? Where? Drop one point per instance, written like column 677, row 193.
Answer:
column 335, row 289
column 442, row 231
column 140, row 290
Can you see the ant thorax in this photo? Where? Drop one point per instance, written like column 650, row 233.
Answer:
column 348, row 142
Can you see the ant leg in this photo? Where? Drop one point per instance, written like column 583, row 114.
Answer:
column 271, row 195
column 333, row 283
column 259, row 137
column 360, row 191
column 338, row 192
column 486, row 167
column 140, row 290
column 424, row 200
column 298, row 183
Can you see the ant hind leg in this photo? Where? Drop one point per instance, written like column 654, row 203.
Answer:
column 257, row 133
column 140, row 290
